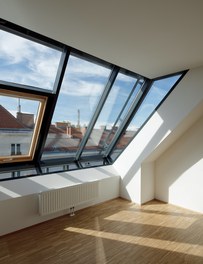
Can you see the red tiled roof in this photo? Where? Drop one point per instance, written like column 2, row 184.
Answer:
column 76, row 133
column 55, row 130
column 7, row 120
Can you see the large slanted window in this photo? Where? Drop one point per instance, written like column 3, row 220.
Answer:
column 62, row 109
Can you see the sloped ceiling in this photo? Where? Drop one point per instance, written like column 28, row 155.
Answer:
column 152, row 38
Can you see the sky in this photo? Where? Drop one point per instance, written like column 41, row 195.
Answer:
column 26, row 62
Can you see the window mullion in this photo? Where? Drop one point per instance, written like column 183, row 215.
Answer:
column 136, row 104
column 52, row 99
column 123, row 108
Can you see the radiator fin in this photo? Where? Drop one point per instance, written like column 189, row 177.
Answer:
column 60, row 199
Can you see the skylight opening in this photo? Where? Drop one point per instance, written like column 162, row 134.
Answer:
column 20, row 121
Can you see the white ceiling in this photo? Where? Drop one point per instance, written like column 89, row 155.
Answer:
column 150, row 37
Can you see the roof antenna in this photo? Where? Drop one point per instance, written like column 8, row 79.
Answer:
column 78, row 124
column 19, row 106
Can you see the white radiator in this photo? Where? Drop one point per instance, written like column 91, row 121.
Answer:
column 59, row 199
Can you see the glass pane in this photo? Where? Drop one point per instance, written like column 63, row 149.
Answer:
column 83, row 84
column 114, row 110
column 156, row 94
column 29, row 62
column 18, row 117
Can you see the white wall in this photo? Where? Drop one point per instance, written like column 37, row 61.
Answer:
column 19, row 198
column 147, row 182
column 136, row 183
column 179, row 171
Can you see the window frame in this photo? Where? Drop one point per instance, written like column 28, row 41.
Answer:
column 36, row 131
column 49, row 97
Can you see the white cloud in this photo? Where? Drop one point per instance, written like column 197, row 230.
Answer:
column 125, row 78
column 82, row 88
column 34, row 64
column 83, row 78
column 157, row 92
column 15, row 49
column 132, row 128
column 81, row 67
column 31, row 63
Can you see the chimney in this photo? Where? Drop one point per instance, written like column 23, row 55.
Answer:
column 26, row 119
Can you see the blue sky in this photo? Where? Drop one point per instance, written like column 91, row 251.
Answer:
column 26, row 62
column 29, row 62
column 157, row 92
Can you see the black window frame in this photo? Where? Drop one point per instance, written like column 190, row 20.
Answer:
column 77, row 161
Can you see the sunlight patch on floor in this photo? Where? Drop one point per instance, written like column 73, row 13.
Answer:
column 185, row 248
column 153, row 219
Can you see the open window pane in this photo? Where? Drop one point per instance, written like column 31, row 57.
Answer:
column 160, row 88
column 20, row 120
column 29, row 62
column 82, row 87
column 114, row 110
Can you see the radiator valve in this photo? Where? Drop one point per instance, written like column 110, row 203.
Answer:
column 72, row 211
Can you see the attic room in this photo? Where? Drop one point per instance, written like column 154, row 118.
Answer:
column 106, row 112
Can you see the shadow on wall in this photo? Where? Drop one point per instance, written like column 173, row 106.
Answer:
column 26, row 186
column 18, row 188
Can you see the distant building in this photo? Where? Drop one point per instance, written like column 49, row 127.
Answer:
column 15, row 136
column 63, row 138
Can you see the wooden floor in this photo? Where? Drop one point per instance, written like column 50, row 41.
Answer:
column 114, row 232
